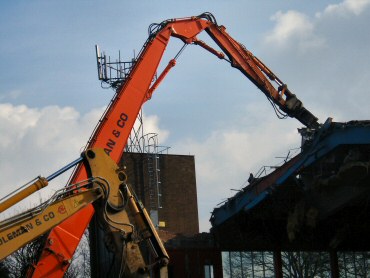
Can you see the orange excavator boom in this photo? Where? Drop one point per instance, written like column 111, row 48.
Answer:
column 115, row 126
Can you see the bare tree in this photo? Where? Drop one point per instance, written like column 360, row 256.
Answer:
column 354, row 264
column 248, row 264
column 19, row 262
column 261, row 264
column 80, row 265
column 306, row 264
column 4, row 272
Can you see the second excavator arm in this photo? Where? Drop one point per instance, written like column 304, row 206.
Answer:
column 120, row 214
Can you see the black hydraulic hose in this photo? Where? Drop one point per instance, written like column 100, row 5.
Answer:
column 210, row 17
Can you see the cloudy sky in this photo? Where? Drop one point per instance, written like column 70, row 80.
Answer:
column 51, row 99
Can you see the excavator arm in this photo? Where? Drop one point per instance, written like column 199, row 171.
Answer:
column 20, row 229
column 242, row 59
column 260, row 75
column 124, row 220
column 113, row 130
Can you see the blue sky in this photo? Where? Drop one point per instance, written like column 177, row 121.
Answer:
column 50, row 97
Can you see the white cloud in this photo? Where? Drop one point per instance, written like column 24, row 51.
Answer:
column 39, row 141
column 330, row 78
column 346, row 8
column 297, row 31
column 12, row 117
column 293, row 28
column 291, row 23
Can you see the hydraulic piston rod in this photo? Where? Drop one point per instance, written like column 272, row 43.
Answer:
column 40, row 183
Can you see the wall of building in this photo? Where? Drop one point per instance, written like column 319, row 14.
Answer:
column 177, row 207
